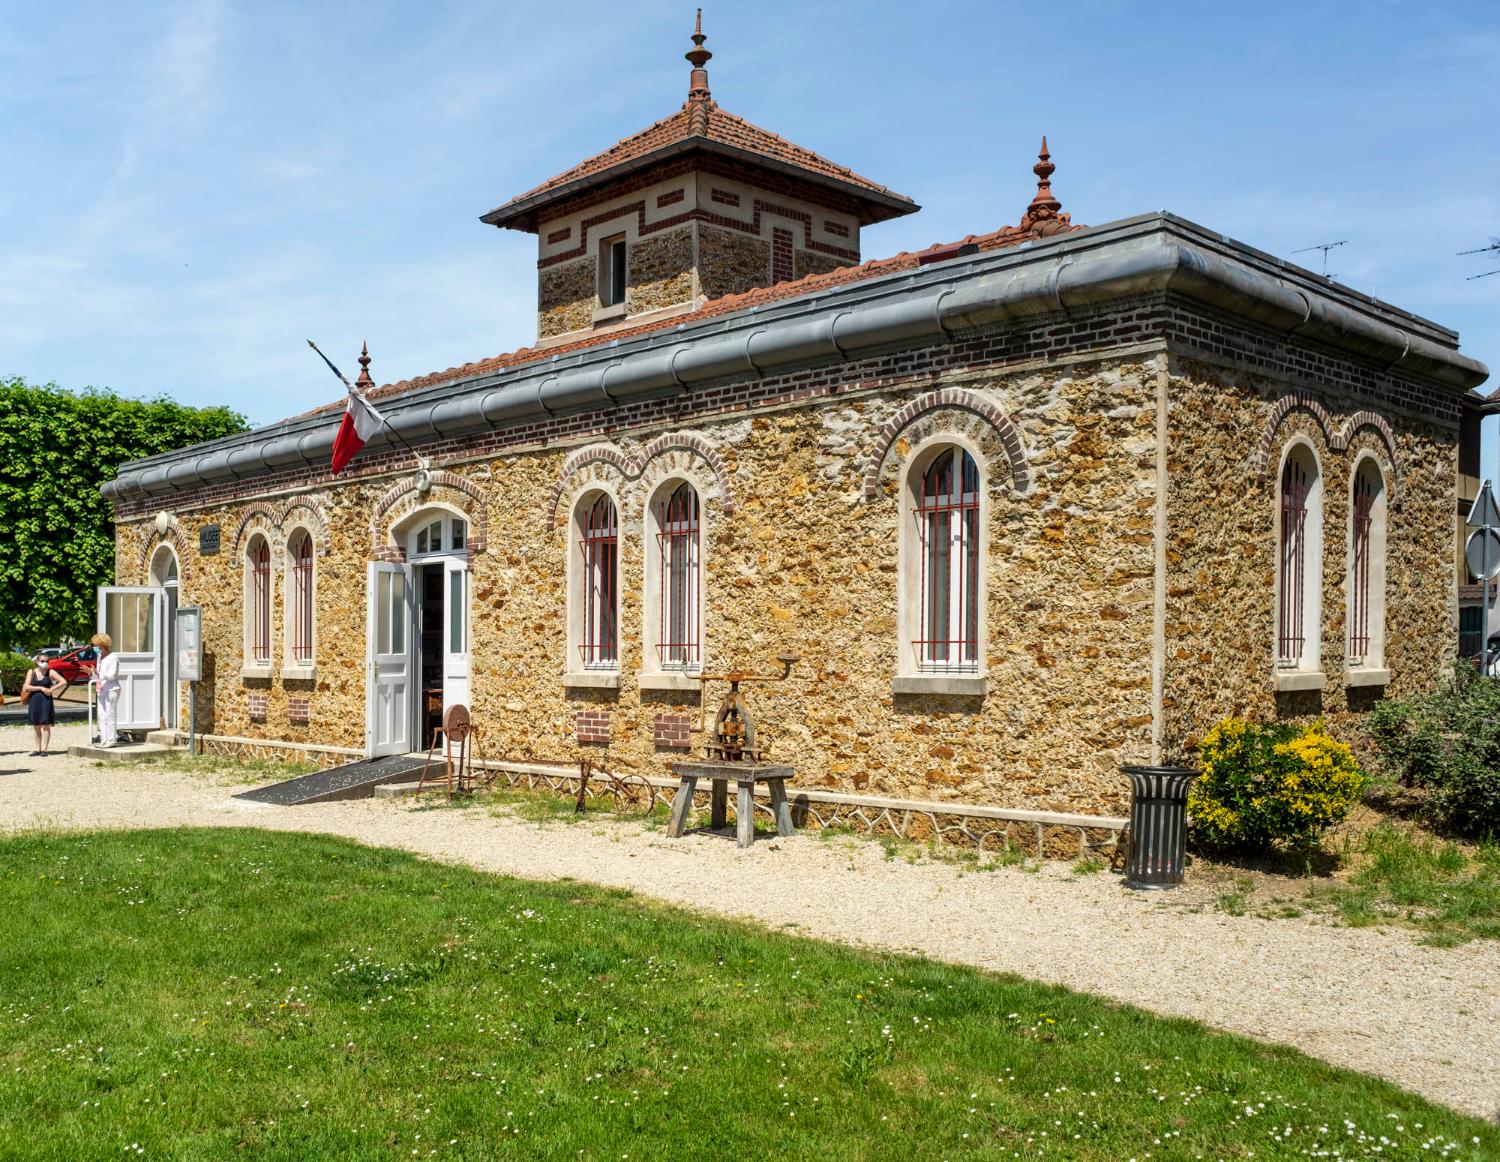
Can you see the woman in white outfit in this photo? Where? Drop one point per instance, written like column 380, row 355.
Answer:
column 107, row 675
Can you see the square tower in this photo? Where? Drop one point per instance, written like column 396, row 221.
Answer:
column 700, row 205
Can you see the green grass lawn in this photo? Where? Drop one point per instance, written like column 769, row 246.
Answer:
column 205, row 994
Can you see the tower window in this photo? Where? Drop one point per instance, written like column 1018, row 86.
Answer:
column 612, row 271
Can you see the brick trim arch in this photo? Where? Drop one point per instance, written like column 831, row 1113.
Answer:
column 477, row 510
column 1337, row 439
column 633, row 467
column 689, row 442
column 153, row 541
column 949, row 397
column 259, row 510
column 1366, row 419
column 1285, row 406
column 314, row 518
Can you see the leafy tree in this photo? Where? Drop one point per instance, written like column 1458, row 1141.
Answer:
column 56, row 531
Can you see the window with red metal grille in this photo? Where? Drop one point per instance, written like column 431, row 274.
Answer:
column 947, row 516
column 1359, row 589
column 1295, row 485
column 600, row 546
column 302, row 599
column 677, row 537
column 260, row 601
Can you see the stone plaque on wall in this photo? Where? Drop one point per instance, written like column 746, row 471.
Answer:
column 208, row 541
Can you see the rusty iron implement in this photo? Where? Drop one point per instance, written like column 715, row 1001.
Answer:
column 733, row 739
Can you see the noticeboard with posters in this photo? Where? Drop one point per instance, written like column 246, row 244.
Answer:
column 189, row 639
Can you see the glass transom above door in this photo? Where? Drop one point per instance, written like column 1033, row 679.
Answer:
column 443, row 535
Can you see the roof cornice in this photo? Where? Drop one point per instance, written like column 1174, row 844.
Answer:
column 522, row 213
column 1083, row 268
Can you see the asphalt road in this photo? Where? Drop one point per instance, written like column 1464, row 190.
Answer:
column 70, row 709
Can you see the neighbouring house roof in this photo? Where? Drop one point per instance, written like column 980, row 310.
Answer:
column 702, row 127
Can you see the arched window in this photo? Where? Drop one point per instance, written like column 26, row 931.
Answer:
column 947, row 524
column 599, row 575
column 258, row 600
column 1299, row 574
column 1367, row 529
column 300, row 562
column 679, row 575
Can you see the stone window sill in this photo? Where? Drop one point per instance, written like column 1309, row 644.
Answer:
column 1367, row 676
column 953, row 685
column 609, row 314
column 257, row 670
column 298, row 673
column 668, row 680
column 1292, row 681
column 593, row 680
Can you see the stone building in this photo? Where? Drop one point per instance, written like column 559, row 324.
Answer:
column 1028, row 505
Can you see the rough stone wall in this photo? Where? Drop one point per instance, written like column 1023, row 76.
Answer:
column 730, row 262
column 566, row 297
column 811, row 262
column 338, row 518
column 661, row 271
column 1222, row 554
column 805, row 561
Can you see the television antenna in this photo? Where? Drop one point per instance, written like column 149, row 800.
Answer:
column 1325, row 247
column 1492, row 248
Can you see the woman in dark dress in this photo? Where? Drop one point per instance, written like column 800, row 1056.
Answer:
column 43, row 686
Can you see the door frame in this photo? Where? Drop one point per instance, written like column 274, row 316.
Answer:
column 372, row 684
column 128, row 718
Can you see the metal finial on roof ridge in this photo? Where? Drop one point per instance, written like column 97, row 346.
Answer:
column 1044, row 199
column 364, row 380
column 1044, row 214
column 698, row 57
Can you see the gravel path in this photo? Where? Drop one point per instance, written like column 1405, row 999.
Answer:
column 1427, row 1019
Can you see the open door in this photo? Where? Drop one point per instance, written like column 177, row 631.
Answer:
column 388, row 687
column 132, row 616
column 456, row 634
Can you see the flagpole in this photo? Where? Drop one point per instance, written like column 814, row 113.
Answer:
column 421, row 460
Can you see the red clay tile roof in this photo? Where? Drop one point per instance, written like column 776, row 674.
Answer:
column 701, row 124
column 1036, row 223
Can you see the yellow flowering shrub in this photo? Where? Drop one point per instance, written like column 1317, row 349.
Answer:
column 1276, row 785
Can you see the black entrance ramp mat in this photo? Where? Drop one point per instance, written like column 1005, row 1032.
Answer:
column 350, row 781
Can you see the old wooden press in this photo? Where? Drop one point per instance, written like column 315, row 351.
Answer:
column 733, row 755
column 733, row 737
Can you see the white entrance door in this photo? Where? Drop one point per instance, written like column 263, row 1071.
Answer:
column 456, row 633
column 132, row 616
column 388, row 686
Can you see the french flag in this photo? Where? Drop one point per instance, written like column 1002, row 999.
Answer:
column 361, row 421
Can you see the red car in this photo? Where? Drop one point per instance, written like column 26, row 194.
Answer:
column 74, row 666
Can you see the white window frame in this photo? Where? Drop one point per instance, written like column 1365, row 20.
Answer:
column 578, row 670
column 1308, row 660
column 251, row 666
column 612, row 297
column 915, row 674
column 655, row 672
column 1370, row 664
column 291, row 667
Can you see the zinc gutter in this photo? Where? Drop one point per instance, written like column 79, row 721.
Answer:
column 1154, row 252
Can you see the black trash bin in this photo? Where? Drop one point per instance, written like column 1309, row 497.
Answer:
column 1158, row 825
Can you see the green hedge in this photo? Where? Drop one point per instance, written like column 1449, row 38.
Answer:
column 1448, row 743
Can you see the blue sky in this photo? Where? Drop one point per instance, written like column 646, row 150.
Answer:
column 192, row 189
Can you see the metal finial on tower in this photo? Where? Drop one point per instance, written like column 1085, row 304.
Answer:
column 364, row 379
column 699, row 57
